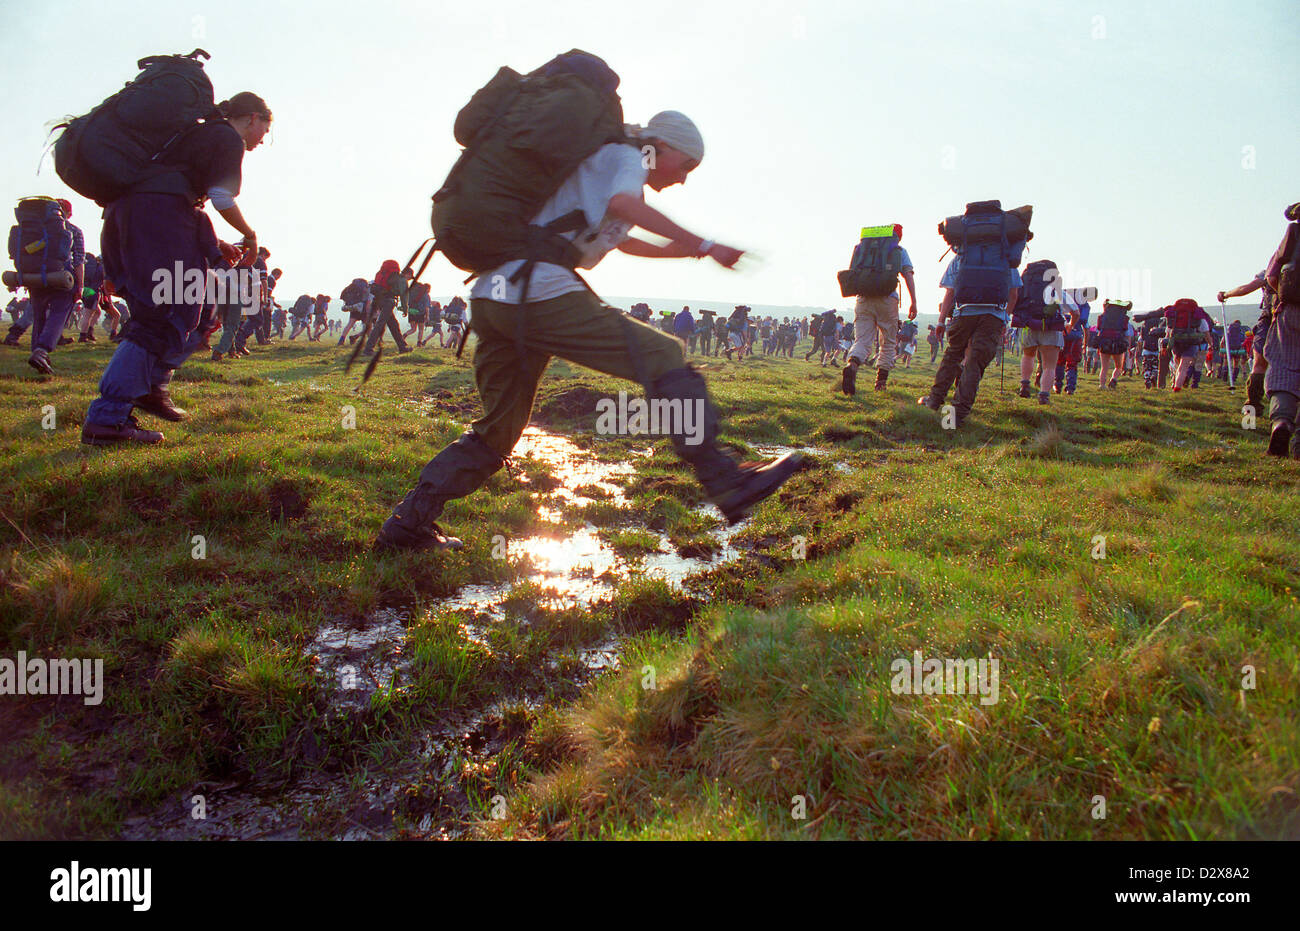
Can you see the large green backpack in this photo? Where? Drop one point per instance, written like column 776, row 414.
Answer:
column 523, row 136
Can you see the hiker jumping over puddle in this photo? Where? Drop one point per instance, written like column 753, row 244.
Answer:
column 581, row 179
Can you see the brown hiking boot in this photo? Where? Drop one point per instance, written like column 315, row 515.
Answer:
column 882, row 376
column 1279, row 441
column 159, row 403
column 757, row 482
column 398, row 538
column 849, row 379
column 93, row 434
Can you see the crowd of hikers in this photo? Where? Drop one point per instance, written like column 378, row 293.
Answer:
column 550, row 180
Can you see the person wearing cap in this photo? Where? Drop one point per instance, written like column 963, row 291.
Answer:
column 51, row 307
column 562, row 317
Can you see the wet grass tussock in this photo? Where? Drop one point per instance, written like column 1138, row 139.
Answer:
column 604, row 659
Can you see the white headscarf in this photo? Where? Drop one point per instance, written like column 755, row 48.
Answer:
column 674, row 129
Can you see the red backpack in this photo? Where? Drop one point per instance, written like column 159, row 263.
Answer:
column 1184, row 317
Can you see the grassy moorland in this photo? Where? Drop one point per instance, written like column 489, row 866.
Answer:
column 1120, row 677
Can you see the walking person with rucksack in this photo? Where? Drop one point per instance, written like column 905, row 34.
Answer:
column 158, row 223
column 420, row 303
column 877, row 263
column 704, row 330
column 981, row 287
column 1189, row 327
column 1112, row 340
column 1282, row 347
column 49, row 255
column 300, row 313
column 1039, row 311
column 547, row 311
column 92, row 298
column 454, row 316
column 356, row 304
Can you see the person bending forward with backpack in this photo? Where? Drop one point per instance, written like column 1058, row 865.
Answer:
column 563, row 318
column 158, row 225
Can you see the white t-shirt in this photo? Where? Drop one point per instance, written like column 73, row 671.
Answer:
column 612, row 169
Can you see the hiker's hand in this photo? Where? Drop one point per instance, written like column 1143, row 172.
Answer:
column 1222, row 297
column 248, row 258
column 911, row 312
column 228, row 252
column 725, row 256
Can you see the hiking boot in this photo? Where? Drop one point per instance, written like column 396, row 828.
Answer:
column 757, row 482
column 398, row 539
column 1044, row 397
column 216, row 356
column 455, row 472
column 64, row 341
column 1025, row 391
column 1112, row 384
column 84, row 338
column 11, row 341
column 93, row 434
column 402, row 349
column 1280, row 441
column 40, row 360
column 849, row 380
column 882, row 376
column 159, row 403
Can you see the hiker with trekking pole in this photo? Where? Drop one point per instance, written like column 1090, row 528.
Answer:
column 554, row 141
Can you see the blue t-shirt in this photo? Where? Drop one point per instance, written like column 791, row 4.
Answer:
column 949, row 280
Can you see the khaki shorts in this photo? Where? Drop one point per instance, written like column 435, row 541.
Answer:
column 1034, row 338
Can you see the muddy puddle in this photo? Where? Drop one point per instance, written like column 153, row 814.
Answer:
column 356, row 659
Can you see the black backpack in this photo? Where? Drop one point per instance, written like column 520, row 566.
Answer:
column 303, row 306
column 115, row 146
column 874, row 268
column 990, row 242
column 356, row 292
column 1039, row 303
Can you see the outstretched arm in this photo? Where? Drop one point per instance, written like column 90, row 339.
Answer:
column 683, row 242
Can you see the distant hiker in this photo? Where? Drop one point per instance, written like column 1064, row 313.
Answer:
column 825, row 332
column 872, row 277
column 562, row 317
column 391, row 287
column 454, row 316
column 434, row 326
column 907, row 332
column 420, row 303
column 1259, row 365
column 1038, row 310
column 705, row 330
column 737, row 325
column 20, row 313
column 932, row 337
column 1149, row 338
column 1282, row 346
column 49, row 252
column 161, row 224
column 322, row 310
column 684, row 327
column 1112, row 340
column 91, row 297
column 1189, row 327
column 300, row 313
column 721, row 337
column 356, row 304
column 981, row 286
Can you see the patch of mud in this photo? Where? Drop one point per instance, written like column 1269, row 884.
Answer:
column 428, row 793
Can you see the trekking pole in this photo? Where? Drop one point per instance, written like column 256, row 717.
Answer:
column 1227, row 346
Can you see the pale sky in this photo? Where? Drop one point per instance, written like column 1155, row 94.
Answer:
column 1157, row 141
